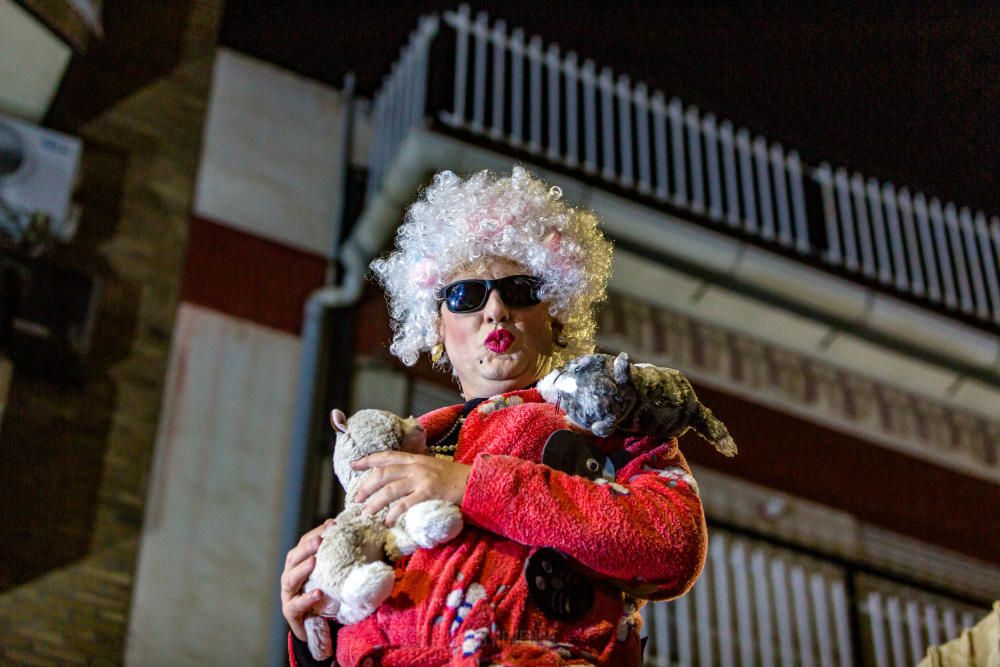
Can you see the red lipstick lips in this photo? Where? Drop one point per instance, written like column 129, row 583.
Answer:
column 499, row 340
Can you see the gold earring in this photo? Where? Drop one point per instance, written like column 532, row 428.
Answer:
column 558, row 338
column 437, row 352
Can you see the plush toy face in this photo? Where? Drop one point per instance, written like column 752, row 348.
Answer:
column 593, row 390
column 370, row 431
column 350, row 567
column 601, row 393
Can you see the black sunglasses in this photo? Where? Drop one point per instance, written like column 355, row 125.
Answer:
column 468, row 296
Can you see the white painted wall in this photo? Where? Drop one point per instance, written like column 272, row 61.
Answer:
column 269, row 163
column 207, row 579
column 32, row 62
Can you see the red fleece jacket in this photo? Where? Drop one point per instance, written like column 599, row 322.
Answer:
column 467, row 600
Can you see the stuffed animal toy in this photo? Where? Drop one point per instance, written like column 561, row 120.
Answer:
column 600, row 393
column 350, row 569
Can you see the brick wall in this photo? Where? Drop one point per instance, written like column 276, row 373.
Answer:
column 74, row 460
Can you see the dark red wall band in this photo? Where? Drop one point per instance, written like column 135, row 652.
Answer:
column 248, row 276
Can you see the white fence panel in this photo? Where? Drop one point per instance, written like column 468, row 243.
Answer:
column 692, row 122
column 676, row 114
column 763, row 177
column 961, row 270
column 499, row 39
column 728, row 144
column 863, row 231
column 913, row 244
column 552, row 64
column 746, row 180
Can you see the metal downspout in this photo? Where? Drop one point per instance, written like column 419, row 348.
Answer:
column 312, row 383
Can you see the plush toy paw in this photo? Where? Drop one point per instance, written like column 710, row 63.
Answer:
column 318, row 637
column 398, row 543
column 432, row 522
column 364, row 589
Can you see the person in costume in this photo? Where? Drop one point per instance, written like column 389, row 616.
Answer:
column 496, row 278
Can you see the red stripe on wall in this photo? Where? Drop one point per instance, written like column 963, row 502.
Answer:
column 247, row 276
column 875, row 484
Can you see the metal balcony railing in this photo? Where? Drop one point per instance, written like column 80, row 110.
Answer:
column 758, row 603
column 534, row 98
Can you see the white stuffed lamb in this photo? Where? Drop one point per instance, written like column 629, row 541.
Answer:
column 350, row 569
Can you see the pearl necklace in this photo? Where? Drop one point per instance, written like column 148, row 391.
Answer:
column 438, row 448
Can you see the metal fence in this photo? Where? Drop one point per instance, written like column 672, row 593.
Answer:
column 533, row 97
column 757, row 604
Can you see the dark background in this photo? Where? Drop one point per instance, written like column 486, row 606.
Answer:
column 904, row 92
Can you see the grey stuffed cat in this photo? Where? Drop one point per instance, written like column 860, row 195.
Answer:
column 601, row 393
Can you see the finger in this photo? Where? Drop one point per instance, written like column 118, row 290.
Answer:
column 378, row 478
column 387, row 494
column 318, row 530
column 292, row 580
column 295, row 608
column 307, row 545
column 301, row 552
column 381, row 459
column 400, row 508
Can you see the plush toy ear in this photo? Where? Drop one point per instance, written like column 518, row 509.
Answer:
column 621, row 368
column 603, row 428
column 547, row 387
column 414, row 436
column 338, row 420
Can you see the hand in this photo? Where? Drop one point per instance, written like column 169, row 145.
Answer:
column 410, row 479
column 299, row 564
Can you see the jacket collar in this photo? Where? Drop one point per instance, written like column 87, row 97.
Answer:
column 436, row 422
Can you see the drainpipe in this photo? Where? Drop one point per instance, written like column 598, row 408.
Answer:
column 324, row 373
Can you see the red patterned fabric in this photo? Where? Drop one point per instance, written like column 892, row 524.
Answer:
column 466, row 602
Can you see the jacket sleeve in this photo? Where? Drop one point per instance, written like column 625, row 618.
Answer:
column 645, row 531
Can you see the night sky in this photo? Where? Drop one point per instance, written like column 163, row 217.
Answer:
column 904, row 92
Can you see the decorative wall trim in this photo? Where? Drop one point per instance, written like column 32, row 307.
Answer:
column 794, row 382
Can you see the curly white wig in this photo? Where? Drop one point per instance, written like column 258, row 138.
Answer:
column 460, row 222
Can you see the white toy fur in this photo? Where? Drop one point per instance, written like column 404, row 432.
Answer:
column 350, row 569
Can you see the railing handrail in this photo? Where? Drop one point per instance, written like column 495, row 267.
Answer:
column 634, row 137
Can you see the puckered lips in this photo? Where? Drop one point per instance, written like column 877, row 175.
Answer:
column 499, row 340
